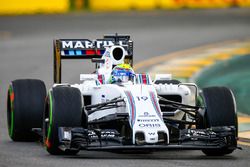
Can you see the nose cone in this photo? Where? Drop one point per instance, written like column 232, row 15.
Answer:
column 151, row 137
column 145, row 114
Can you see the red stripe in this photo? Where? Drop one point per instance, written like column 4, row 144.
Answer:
column 90, row 52
column 154, row 101
column 100, row 79
column 144, row 79
column 98, row 52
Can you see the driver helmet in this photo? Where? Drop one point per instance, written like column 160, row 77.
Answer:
column 122, row 73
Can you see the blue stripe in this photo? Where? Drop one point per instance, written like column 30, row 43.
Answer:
column 103, row 79
column 71, row 52
column 134, row 108
column 155, row 104
column 140, row 79
column 147, row 78
column 66, row 52
column 102, row 52
column 130, row 106
column 78, row 52
column 131, row 102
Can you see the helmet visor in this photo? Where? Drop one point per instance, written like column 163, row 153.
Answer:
column 122, row 75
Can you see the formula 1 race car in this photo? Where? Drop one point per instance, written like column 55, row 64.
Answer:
column 115, row 109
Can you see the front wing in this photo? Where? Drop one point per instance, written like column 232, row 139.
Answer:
column 110, row 139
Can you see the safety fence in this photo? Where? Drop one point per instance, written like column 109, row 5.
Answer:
column 63, row 6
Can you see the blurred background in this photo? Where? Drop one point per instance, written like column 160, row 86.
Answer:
column 62, row 6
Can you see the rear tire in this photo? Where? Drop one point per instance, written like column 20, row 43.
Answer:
column 63, row 109
column 220, row 111
column 25, row 105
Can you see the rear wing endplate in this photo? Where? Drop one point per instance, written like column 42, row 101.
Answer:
column 87, row 49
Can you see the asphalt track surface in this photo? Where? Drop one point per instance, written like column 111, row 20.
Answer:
column 26, row 52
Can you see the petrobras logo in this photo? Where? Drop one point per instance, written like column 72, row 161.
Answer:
column 87, row 44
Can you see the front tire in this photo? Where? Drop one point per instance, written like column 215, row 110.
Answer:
column 63, row 109
column 25, row 105
column 220, row 111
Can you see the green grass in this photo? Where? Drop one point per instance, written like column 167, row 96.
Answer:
column 233, row 73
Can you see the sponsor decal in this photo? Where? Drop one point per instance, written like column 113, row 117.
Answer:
column 148, row 120
column 142, row 98
column 67, row 135
column 149, row 125
column 77, row 44
column 151, row 133
column 103, row 98
column 107, row 134
column 104, row 134
column 197, row 132
column 87, row 44
column 146, row 114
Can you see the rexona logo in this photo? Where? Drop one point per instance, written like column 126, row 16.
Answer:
column 87, row 44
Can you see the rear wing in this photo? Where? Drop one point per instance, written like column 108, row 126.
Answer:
column 88, row 49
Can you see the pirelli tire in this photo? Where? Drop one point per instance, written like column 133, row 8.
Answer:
column 220, row 111
column 63, row 109
column 25, row 105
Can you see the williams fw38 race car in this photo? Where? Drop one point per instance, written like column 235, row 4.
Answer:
column 116, row 109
